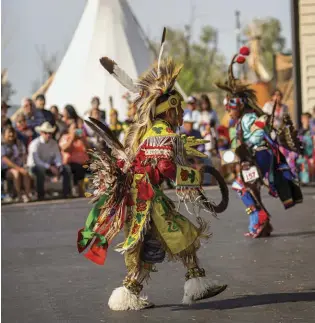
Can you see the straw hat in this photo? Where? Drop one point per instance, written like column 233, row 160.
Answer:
column 45, row 127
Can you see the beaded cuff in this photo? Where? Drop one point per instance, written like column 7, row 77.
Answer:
column 133, row 286
column 195, row 272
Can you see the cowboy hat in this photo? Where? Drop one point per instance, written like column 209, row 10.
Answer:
column 45, row 127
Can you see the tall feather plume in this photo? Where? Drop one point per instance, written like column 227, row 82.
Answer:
column 161, row 51
column 238, row 89
column 119, row 74
column 231, row 78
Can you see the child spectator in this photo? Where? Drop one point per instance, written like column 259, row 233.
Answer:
column 13, row 158
column 24, row 133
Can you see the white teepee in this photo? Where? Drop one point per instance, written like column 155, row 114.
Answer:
column 107, row 28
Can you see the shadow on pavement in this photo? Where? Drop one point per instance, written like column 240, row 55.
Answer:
column 293, row 234
column 246, row 301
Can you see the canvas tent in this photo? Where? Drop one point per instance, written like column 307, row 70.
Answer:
column 107, row 28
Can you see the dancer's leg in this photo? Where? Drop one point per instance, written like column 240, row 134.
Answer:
column 197, row 285
column 258, row 217
column 139, row 262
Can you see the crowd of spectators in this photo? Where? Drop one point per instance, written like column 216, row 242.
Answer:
column 44, row 146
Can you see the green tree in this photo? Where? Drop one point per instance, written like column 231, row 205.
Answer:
column 269, row 32
column 202, row 61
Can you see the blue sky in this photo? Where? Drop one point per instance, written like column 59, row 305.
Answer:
column 30, row 24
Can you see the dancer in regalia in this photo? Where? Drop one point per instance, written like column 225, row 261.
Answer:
column 128, row 193
column 258, row 146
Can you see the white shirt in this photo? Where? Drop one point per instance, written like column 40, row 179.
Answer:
column 207, row 116
column 43, row 154
column 268, row 107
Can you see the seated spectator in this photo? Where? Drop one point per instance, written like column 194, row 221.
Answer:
column 192, row 111
column 5, row 121
column 13, row 158
column 44, row 159
column 24, row 133
column 74, row 146
column 61, row 127
column 42, row 114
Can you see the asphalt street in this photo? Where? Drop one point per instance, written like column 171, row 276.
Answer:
column 271, row 280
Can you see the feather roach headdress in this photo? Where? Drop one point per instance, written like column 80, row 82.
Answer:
column 156, row 93
column 239, row 94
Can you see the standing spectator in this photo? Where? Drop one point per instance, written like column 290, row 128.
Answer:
column 24, row 133
column 74, row 146
column 95, row 104
column 281, row 108
column 60, row 125
column 42, row 114
column 207, row 114
column 280, row 111
column 13, row 158
column 305, row 161
column 192, row 111
column 5, row 121
column 115, row 125
column 44, row 159
column 93, row 139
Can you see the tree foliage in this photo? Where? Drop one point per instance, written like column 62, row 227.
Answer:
column 203, row 63
column 269, row 32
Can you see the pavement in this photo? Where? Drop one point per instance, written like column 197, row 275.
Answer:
column 271, row 280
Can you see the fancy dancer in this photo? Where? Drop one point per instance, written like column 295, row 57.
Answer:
column 128, row 193
column 258, row 152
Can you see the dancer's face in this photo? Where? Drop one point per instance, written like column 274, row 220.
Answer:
column 175, row 118
column 234, row 113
